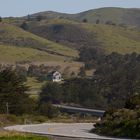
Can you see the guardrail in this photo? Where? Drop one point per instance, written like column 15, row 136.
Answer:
column 69, row 109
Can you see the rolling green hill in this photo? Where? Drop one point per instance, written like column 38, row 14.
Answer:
column 76, row 35
column 11, row 54
column 53, row 36
column 130, row 17
column 17, row 44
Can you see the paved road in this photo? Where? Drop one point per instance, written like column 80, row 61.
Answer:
column 75, row 130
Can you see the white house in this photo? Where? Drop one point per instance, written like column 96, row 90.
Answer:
column 55, row 76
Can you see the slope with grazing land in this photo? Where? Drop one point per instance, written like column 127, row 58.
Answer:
column 109, row 29
column 108, row 38
column 65, row 33
column 122, row 16
column 53, row 37
column 12, row 54
column 13, row 36
column 116, row 39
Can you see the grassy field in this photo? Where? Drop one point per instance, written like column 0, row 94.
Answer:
column 116, row 39
column 12, row 54
column 19, row 136
column 34, row 87
column 14, row 36
column 111, row 38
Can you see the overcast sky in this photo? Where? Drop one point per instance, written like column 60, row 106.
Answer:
column 24, row 7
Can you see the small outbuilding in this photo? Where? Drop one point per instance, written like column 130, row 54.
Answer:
column 55, row 76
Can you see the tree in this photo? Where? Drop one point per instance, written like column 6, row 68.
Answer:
column 12, row 92
column 0, row 19
column 48, row 110
column 97, row 21
column 24, row 26
column 28, row 17
column 85, row 20
column 82, row 72
column 133, row 102
column 128, row 123
column 109, row 22
column 39, row 18
column 51, row 92
column 10, row 82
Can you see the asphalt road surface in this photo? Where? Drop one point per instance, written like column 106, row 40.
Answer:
column 71, row 130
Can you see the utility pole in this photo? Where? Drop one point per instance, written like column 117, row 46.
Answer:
column 7, row 108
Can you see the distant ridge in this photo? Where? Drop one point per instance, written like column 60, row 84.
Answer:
column 126, row 16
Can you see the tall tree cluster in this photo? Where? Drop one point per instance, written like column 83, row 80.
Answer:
column 12, row 94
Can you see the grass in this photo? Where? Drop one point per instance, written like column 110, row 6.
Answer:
column 104, row 14
column 8, row 120
column 115, row 39
column 19, row 136
column 12, row 54
column 33, row 83
column 13, row 35
column 34, row 87
column 110, row 38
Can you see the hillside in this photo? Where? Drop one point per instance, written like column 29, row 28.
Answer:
column 122, row 16
column 109, row 38
column 17, row 44
column 53, row 36
column 130, row 17
column 12, row 54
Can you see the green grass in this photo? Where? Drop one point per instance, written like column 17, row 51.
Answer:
column 13, row 35
column 26, row 45
column 110, row 38
column 115, row 39
column 19, row 136
column 104, row 14
column 34, row 87
column 11, row 54
column 33, row 83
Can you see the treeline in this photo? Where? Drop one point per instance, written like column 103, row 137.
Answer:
column 77, row 91
column 116, row 78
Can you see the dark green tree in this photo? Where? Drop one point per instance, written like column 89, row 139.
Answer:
column 0, row 19
column 29, row 17
column 123, row 122
column 51, row 92
column 39, row 17
column 48, row 110
column 12, row 92
column 97, row 21
column 82, row 72
column 24, row 26
column 85, row 20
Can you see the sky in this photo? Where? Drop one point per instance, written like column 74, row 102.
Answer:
column 25, row 7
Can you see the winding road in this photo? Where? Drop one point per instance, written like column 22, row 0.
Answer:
column 72, row 130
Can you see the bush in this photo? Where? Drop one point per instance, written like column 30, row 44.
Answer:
column 48, row 110
column 121, row 123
